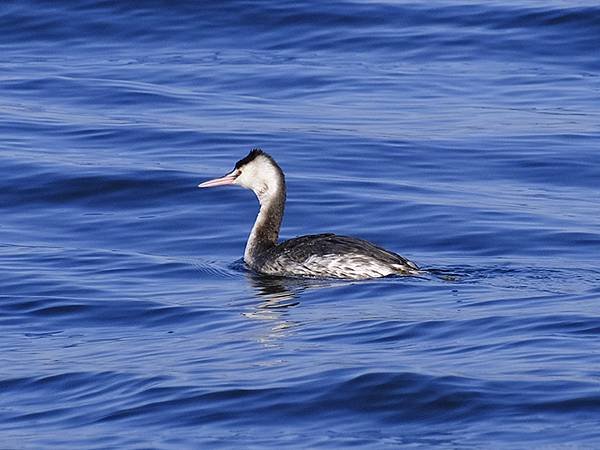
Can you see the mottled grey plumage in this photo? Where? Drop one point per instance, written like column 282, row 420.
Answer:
column 318, row 255
column 330, row 255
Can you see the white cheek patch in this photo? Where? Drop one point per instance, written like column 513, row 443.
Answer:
column 261, row 177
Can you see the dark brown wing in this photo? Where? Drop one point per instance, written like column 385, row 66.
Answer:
column 301, row 248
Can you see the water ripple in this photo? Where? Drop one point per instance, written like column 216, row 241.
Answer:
column 463, row 136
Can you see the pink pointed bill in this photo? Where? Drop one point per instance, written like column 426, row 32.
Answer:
column 223, row 181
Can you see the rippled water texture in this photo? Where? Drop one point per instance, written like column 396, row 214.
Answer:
column 463, row 135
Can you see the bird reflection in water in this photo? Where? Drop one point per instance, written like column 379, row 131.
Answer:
column 276, row 293
column 276, row 300
column 278, row 296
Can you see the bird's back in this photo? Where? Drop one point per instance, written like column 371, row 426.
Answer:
column 332, row 256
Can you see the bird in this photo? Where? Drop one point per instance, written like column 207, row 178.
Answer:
column 314, row 256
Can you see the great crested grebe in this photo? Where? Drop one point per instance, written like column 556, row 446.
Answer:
column 317, row 255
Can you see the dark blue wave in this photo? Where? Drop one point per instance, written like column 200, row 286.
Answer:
column 56, row 185
column 391, row 399
column 408, row 30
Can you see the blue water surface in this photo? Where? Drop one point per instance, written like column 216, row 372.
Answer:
column 463, row 135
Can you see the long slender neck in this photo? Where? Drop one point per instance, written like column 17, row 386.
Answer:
column 265, row 231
